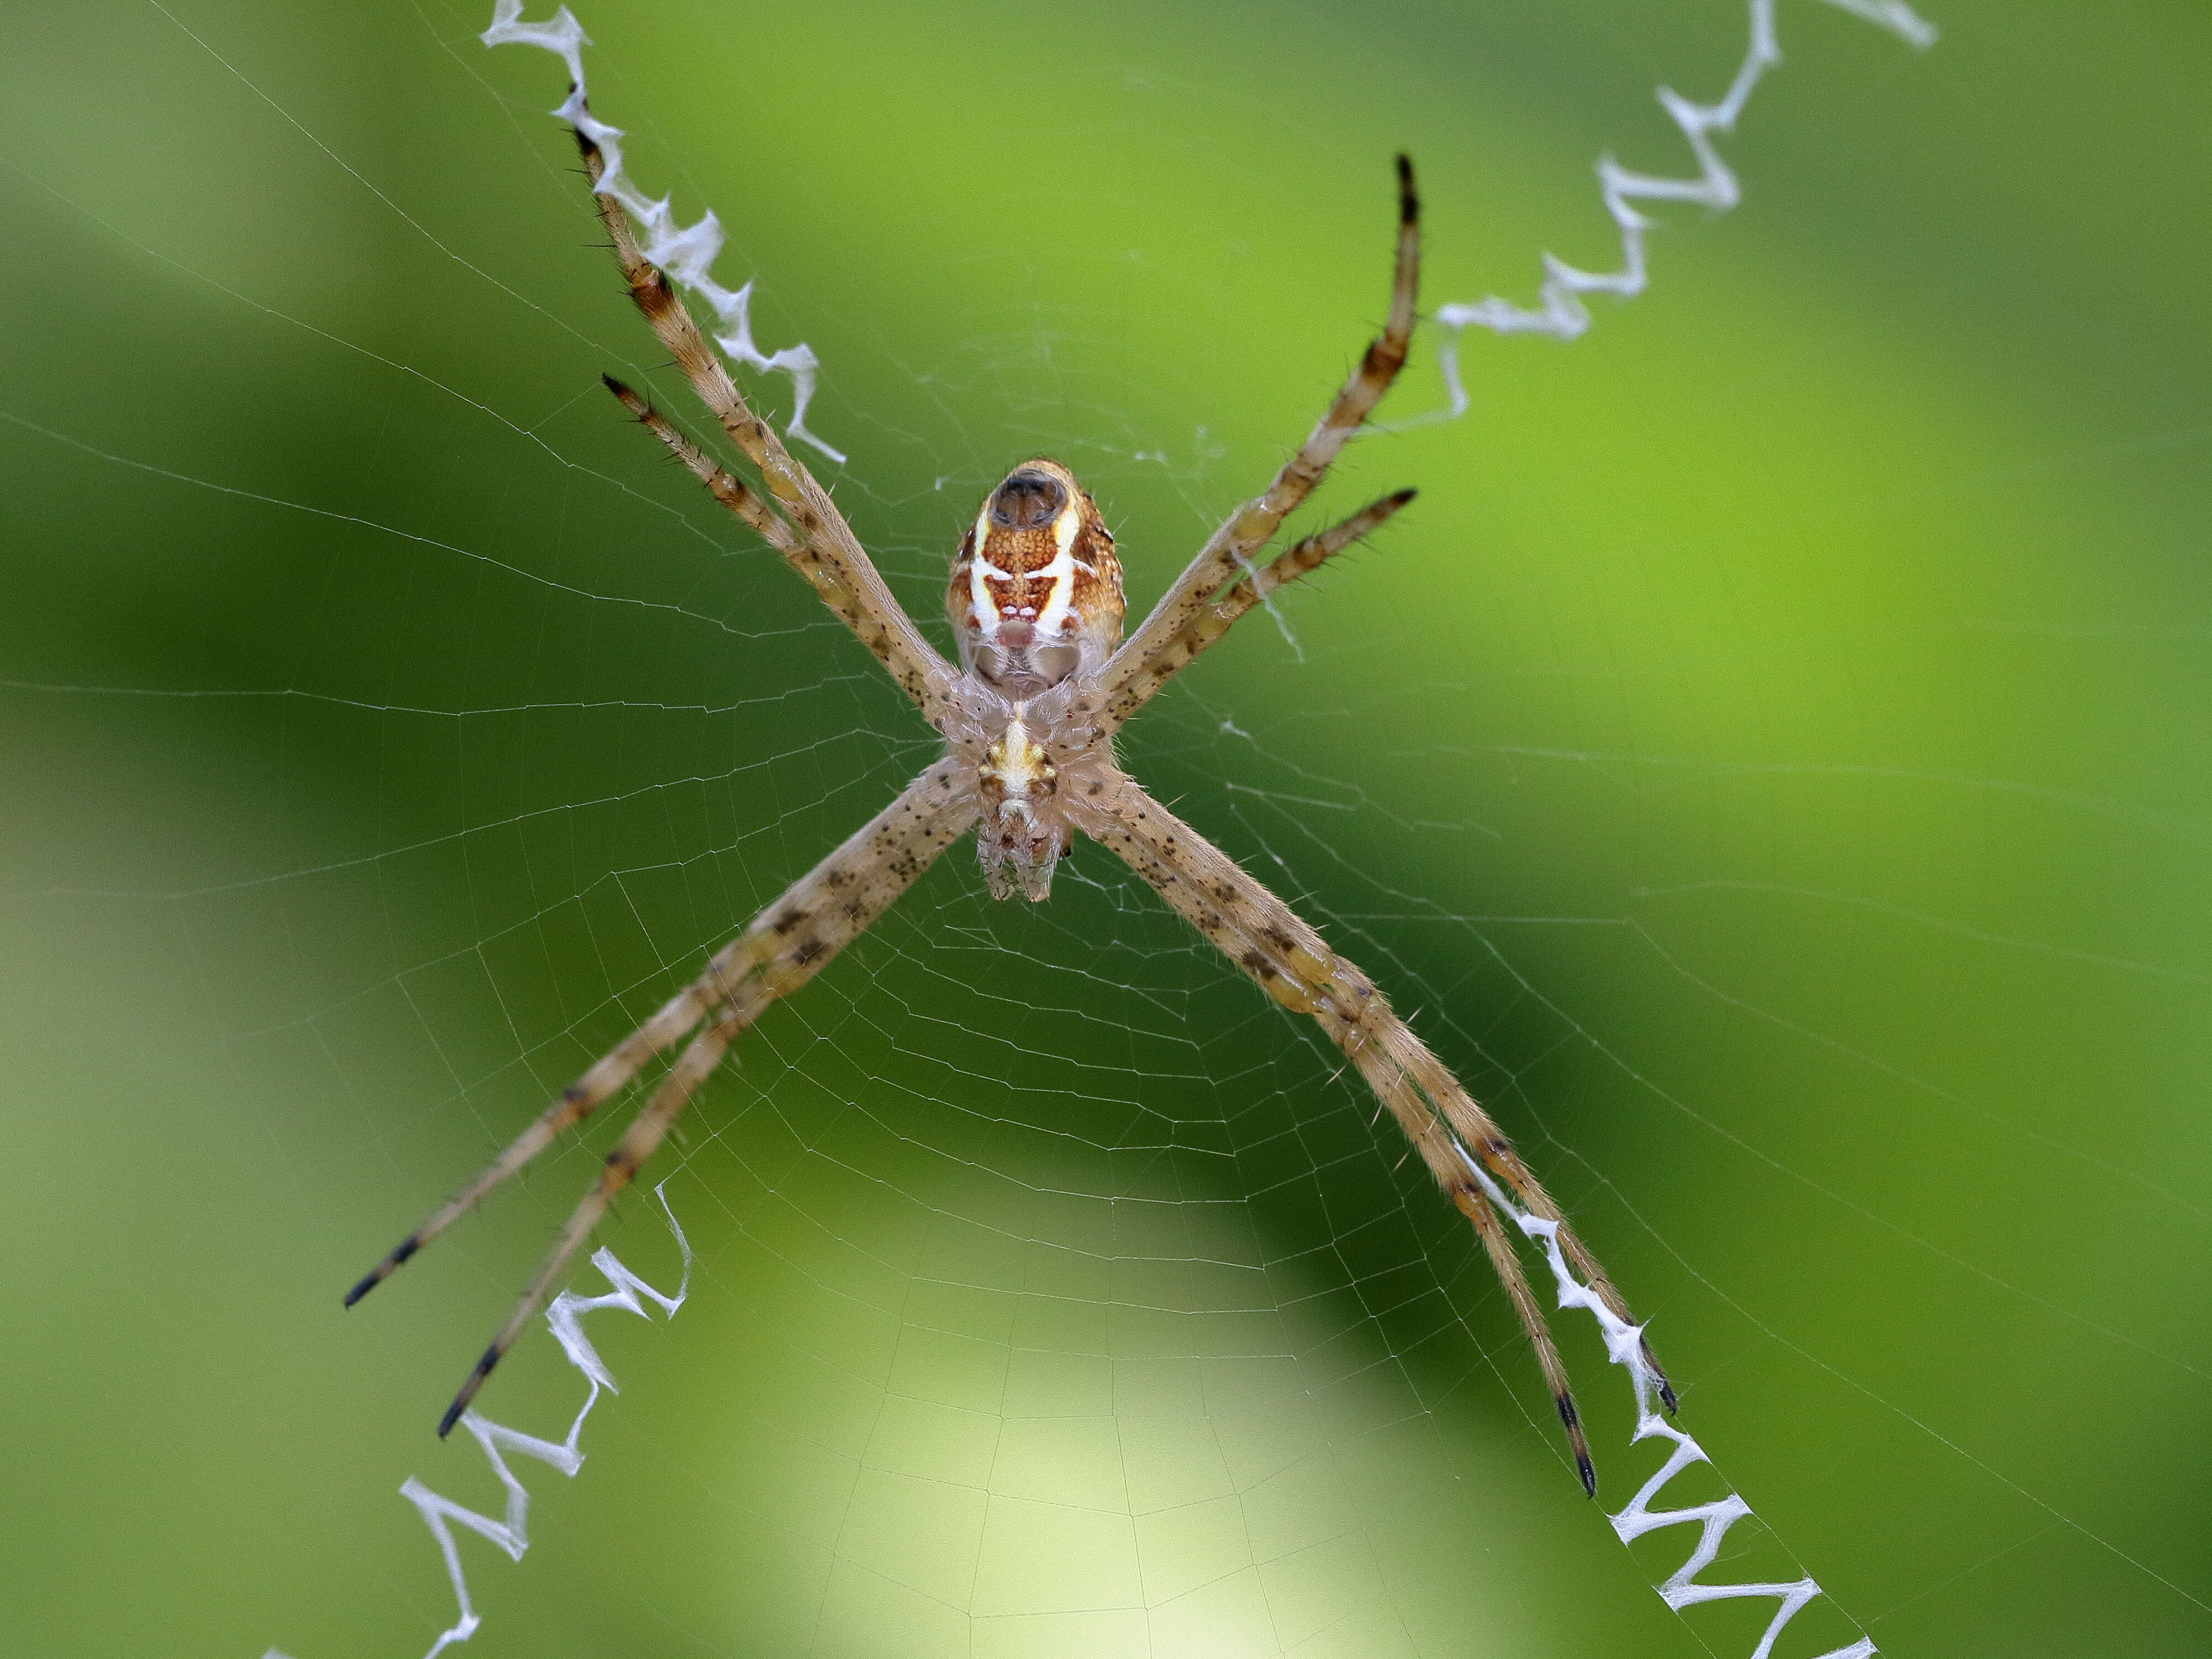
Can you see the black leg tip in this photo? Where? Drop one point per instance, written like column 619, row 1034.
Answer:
column 382, row 1271
column 1575, row 1441
column 626, row 397
column 469, row 1390
column 1409, row 204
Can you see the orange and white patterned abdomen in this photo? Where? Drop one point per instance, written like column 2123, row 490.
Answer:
column 1037, row 591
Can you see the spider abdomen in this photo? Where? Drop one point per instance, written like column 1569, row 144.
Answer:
column 1036, row 595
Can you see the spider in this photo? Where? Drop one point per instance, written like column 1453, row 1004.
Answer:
column 1028, row 720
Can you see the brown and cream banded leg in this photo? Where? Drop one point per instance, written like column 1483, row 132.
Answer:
column 1216, row 617
column 1229, row 551
column 1288, row 959
column 824, row 549
column 785, row 946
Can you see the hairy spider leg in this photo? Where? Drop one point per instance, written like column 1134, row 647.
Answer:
column 783, row 948
column 1214, row 618
column 757, row 515
column 828, row 555
column 1187, row 620
column 827, row 909
column 1266, row 939
column 1229, row 551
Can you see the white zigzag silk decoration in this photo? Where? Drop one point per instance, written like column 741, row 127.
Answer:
column 1624, row 1344
column 685, row 253
column 1559, row 311
column 1560, row 314
column 510, row 1531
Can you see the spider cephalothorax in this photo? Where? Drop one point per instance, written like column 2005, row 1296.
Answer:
column 1028, row 721
column 1036, row 603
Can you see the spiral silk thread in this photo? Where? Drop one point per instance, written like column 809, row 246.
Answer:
column 685, row 253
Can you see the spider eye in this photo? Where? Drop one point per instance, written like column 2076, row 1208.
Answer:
column 1027, row 501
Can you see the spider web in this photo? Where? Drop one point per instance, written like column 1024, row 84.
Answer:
column 1762, row 763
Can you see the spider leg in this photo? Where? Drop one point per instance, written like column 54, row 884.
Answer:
column 1267, row 938
column 1507, row 1266
column 1229, row 549
column 732, row 494
column 826, row 550
column 744, row 503
column 1487, row 1142
column 638, row 1143
column 576, row 1103
column 785, row 946
column 1394, row 1088
column 1216, row 618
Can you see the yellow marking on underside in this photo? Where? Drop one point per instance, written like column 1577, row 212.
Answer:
column 1017, row 764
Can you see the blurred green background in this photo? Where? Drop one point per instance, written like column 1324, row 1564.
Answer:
column 1769, row 761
